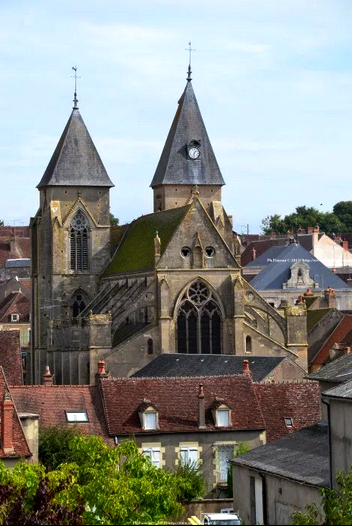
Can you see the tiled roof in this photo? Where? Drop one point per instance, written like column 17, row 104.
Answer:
column 10, row 356
column 176, row 365
column 75, row 161
column 260, row 247
column 342, row 334
column 338, row 371
column 136, row 251
column 175, row 167
column 299, row 401
column 20, row 445
column 340, row 391
column 51, row 402
column 15, row 303
column 274, row 275
column 303, row 456
column 177, row 403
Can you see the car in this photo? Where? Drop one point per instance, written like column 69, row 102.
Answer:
column 220, row 519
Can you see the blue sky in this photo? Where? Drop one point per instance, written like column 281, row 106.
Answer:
column 273, row 80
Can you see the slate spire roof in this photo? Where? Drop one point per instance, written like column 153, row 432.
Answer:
column 75, row 161
column 175, row 166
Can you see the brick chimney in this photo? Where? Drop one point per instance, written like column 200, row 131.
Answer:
column 246, row 370
column 47, row 378
column 310, row 230
column 273, row 235
column 330, row 297
column 254, row 254
column 7, row 409
column 101, row 373
column 315, row 237
column 345, row 244
column 201, row 408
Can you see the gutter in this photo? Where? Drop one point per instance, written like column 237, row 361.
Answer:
column 327, row 403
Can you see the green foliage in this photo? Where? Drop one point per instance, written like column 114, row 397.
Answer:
column 243, row 448
column 54, row 445
column 337, row 504
column 114, row 221
column 305, row 217
column 191, row 482
column 343, row 211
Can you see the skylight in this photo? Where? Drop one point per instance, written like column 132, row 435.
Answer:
column 76, row 416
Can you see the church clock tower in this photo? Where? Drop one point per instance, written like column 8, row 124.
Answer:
column 70, row 246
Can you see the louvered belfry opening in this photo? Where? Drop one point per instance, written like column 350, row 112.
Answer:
column 199, row 321
column 79, row 242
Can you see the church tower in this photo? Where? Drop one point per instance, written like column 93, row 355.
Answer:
column 70, row 244
column 187, row 164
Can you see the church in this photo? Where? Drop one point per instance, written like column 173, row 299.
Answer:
column 168, row 282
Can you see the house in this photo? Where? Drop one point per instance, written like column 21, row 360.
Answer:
column 283, row 476
column 262, row 368
column 335, row 343
column 10, row 356
column 173, row 283
column 14, row 244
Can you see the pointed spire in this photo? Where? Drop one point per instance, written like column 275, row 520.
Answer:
column 189, row 73
column 189, row 78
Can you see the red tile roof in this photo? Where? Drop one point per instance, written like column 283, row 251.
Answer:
column 20, row 444
column 15, row 303
column 176, row 400
column 299, row 401
column 10, row 356
column 260, row 247
column 51, row 402
column 337, row 336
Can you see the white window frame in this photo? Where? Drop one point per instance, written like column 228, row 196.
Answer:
column 189, row 452
column 15, row 317
column 220, row 411
column 154, row 454
column 229, row 447
column 79, row 416
column 147, row 425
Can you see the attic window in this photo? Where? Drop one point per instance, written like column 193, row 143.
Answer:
column 15, row 317
column 223, row 417
column 76, row 416
column 150, row 420
column 185, row 252
column 288, row 422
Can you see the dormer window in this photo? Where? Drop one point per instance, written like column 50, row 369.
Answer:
column 148, row 416
column 221, row 414
column 15, row 317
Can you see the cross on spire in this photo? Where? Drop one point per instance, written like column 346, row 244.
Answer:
column 189, row 49
column 75, row 100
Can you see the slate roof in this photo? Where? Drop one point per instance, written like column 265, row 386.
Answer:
column 175, row 167
column 266, row 257
column 136, row 250
column 20, row 444
column 337, row 371
column 17, row 263
column 274, row 275
column 261, row 246
column 176, row 365
column 340, row 391
column 15, row 303
column 341, row 334
column 51, row 401
column 297, row 400
column 302, row 456
column 75, row 161
column 176, row 401
column 10, row 356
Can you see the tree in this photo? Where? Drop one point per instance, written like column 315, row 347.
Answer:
column 303, row 217
column 114, row 221
column 191, row 482
column 343, row 211
column 337, row 504
column 54, row 444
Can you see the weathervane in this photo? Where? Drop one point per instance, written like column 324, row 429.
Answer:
column 189, row 49
column 75, row 100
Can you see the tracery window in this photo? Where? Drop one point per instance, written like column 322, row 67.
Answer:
column 79, row 303
column 79, row 242
column 199, row 321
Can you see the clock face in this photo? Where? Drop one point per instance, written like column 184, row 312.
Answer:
column 194, row 153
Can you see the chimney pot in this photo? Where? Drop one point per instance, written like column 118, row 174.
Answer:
column 47, row 377
column 345, row 244
column 101, row 373
column 246, row 370
column 310, row 230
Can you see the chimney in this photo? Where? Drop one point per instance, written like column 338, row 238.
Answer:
column 7, row 409
column 315, row 237
column 201, row 408
column 310, row 230
column 101, row 373
column 246, row 370
column 273, row 235
column 47, row 377
column 254, row 254
column 345, row 244
column 330, row 297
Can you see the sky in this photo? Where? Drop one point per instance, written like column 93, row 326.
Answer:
column 273, row 80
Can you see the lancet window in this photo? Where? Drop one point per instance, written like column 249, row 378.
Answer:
column 199, row 321
column 79, row 242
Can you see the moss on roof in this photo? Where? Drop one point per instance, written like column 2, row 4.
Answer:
column 136, row 251
column 314, row 316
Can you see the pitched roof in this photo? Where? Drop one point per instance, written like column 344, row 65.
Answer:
column 260, row 246
column 337, row 371
column 15, row 303
column 340, row 391
column 341, row 334
column 51, row 401
column 10, row 356
column 276, row 273
column 303, row 456
column 75, row 161
column 176, row 365
column 299, row 401
column 176, row 400
column 136, row 250
column 175, row 166
column 20, row 444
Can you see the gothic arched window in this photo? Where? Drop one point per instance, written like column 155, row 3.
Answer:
column 199, row 321
column 248, row 344
column 78, row 303
column 79, row 242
